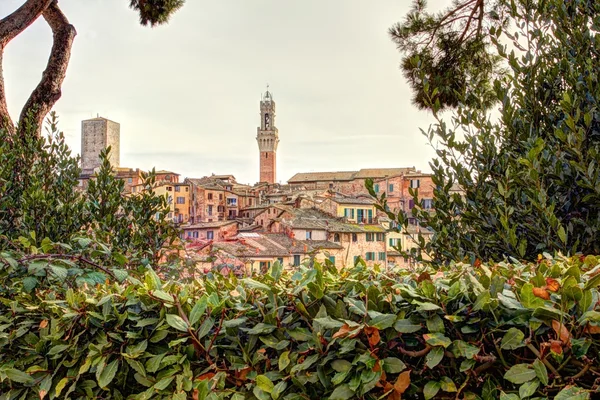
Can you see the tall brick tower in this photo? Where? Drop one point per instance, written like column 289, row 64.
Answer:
column 268, row 139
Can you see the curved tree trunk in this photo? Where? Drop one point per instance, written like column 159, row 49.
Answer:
column 48, row 91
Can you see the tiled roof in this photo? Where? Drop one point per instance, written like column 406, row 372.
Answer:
column 322, row 176
column 364, row 173
column 353, row 200
column 203, row 225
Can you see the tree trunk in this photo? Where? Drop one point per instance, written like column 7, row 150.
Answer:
column 47, row 92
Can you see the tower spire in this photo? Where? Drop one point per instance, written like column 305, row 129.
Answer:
column 267, row 138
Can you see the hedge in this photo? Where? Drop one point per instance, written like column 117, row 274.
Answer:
column 488, row 331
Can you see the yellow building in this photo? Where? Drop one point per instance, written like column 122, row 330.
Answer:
column 354, row 209
column 178, row 198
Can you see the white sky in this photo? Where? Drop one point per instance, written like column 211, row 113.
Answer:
column 187, row 94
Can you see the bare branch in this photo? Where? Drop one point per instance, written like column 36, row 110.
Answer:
column 48, row 91
column 20, row 19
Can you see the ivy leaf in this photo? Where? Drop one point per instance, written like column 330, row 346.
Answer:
column 383, row 321
column 175, row 321
column 393, row 365
column 540, row 371
column 447, row 384
column 16, row 375
column 573, row 393
column 512, row 339
column 264, row 383
column 341, row 365
column 284, row 360
column 406, row 326
column 437, row 339
column 197, row 311
column 205, row 327
column 342, row 392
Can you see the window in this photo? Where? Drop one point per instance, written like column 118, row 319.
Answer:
column 369, row 216
column 360, row 215
column 381, row 255
column 187, row 189
column 189, row 234
column 180, row 217
column 427, row 204
column 411, row 204
column 280, row 259
column 349, row 213
column 232, row 213
column 210, row 234
column 354, row 237
column 380, row 237
column 210, row 210
column 393, row 242
column 232, row 201
column 370, row 237
column 220, row 209
column 296, row 260
column 332, row 259
column 370, row 256
column 209, row 196
column 170, row 199
column 308, row 235
column 391, row 188
column 412, row 221
column 220, row 196
column 129, row 180
column 180, row 200
column 169, row 188
column 178, row 188
column 168, row 178
column 376, row 187
column 250, row 201
column 336, row 237
column 195, row 234
column 414, row 183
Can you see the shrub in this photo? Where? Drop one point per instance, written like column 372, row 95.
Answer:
column 508, row 331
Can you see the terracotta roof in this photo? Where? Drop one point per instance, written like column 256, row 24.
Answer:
column 203, row 225
column 322, row 176
column 162, row 172
column 353, row 200
column 382, row 172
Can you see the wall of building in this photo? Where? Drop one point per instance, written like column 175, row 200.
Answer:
column 96, row 135
column 359, row 248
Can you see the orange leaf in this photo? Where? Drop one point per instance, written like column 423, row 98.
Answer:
column 477, row 263
column 552, row 285
column 373, row 335
column 242, row 373
column 556, row 346
column 423, row 277
column 343, row 332
column 561, row 332
column 541, row 293
column 592, row 329
column 403, row 382
column 206, row 377
column 43, row 324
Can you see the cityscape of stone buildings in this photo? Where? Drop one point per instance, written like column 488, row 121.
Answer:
column 326, row 216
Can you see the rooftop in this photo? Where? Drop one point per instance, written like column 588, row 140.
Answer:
column 364, row 173
column 203, row 225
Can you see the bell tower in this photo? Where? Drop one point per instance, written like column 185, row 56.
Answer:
column 267, row 138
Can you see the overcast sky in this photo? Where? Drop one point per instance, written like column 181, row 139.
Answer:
column 187, row 94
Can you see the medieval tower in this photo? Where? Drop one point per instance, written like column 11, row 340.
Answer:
column 96, row 135
column 268, row 139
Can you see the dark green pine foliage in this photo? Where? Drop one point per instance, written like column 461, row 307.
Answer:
column 530, row 173
column 155, row 12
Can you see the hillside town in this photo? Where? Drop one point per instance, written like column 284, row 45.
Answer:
column 328, row 216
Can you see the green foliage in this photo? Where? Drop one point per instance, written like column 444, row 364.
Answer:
column 304, row 334
column 155, row 12
column 530, row 177
column 41, row 203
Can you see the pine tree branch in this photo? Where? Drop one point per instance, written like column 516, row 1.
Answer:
column 48, row 91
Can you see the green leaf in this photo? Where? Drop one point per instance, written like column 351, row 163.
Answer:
column 164, row 296
column 57, row 349
column 528, row 388
column 540, row 371
column 29, row 283
column 356, row 306
column 447, row 384
column 251, row 283
column 60, row 386
column 329, row 323
column 264, row 383
column 435, row 324
column 573, row 393
column 341, row 365
column 393, row 365
column 511, row 396
column 520, row 373
column 512, row 339
column 306, row 364
column 430, row 389
column 434, row 356
column 175, row 321
column 136, row 366
column 108, row 374
column 16, row 375
column 278, row 389
column 205, row 327
column 164, row 383
column 234, row 323
column 437, row 339
column 463, row 349
column 284, row 360
column 197, row 311
column 261, row 329
column 342, row 392
column 383, row 321
column 406, row 326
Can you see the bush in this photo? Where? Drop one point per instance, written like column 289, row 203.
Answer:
column 508, row 331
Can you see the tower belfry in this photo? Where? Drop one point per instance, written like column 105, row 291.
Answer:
column 267, row 138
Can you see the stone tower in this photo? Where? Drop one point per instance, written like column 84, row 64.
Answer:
column 268, row 139
column 96, row 135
